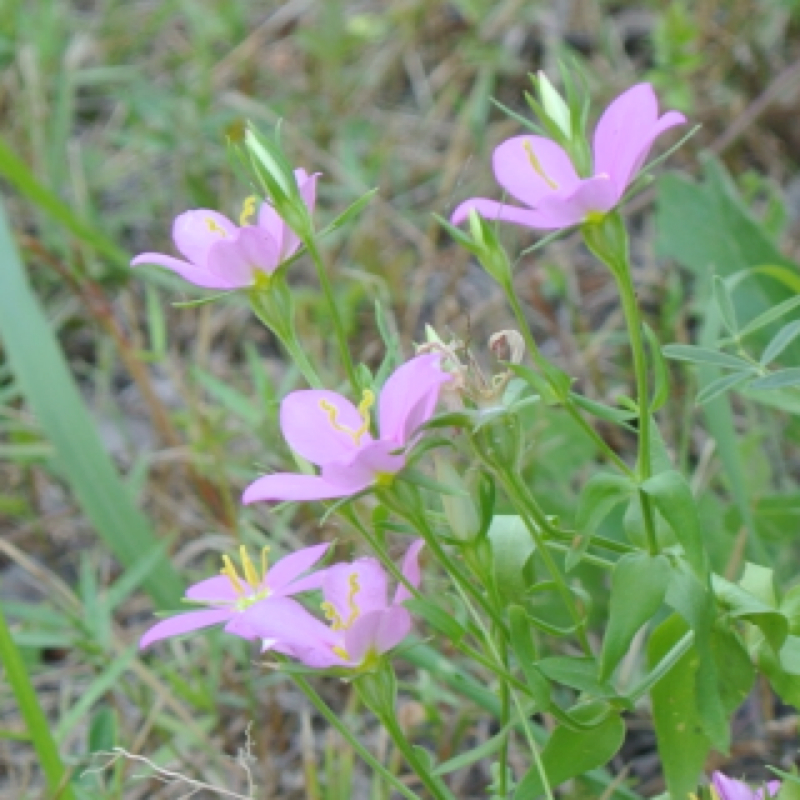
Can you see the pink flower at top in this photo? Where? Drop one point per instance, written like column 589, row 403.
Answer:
column 538, row 172
column 221, row 255
column 725, row 788
column 363, row 624
column 230, row 594
column 329, row 431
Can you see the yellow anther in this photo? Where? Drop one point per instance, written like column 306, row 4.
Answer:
column 248, row 209
column 250, row 574
column 342, row 653
column 367, row 401
column 537, row 166
column 214, row 226
column 337, row 623
column 229, row 570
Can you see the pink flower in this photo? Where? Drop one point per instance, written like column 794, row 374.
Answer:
column 222, row 255
column 329, row 431
column 229, row 595
column 538, row 172
column 363, row 624
column 725, row 788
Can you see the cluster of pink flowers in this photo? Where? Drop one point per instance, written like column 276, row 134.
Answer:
column 725, row 788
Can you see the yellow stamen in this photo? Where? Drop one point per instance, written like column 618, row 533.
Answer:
column 337, row 623
column 229, row 570
column 537, row 165
column 367, row 401
column 214, row 227
column 248, row 209
column 250, row 574
column 342, row 653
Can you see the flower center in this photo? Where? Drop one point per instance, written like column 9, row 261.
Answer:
column 250, row 586
column 337, row 623
column 537, row 166
column 248, row 210
column 593, row 217
column 261, row 280
column 214, row 226
column 367, row 401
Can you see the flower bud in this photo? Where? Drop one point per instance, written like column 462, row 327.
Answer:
column 459, row 509
column 607, row 238
column 554, row 105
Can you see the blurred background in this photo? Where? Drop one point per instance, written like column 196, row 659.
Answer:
column 115, row 117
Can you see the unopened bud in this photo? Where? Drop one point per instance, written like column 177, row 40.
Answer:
column 459, row 509
column 554, row 105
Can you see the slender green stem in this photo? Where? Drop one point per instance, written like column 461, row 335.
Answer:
column 679, row 649
column 407, row 749
column 338, row 325
column 347, row 734
column 536, row 523
column 505, row 718
column 633, row 321
column 35, row 720
column 569, row 404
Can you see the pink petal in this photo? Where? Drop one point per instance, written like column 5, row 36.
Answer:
column 372, row 592
column 598, row 194
column 285, row 622
column 731, row 789
column 309, row 431
column 377, row 633
column 195, row 231
column 281, row 577
column 271, row 223
column 286, row 486
column 409, row 397
column 199, row 276
column 626, row 131
column 183, row 623
column 364, row 467
column 411, row 571
column 516, row 173
column 491, row 209
column 214, row 591
column 237, row 260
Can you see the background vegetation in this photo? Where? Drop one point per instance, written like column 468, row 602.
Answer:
column 115, row 116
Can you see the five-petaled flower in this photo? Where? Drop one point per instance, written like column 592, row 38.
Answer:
column 222, row 255
column 363, row 624
column 230, row 594
column 725, row 788
column 329, row 431
column 538, row 172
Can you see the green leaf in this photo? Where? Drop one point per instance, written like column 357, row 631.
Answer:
column 578, row 673
column 638, row 587
column 770, row 315
column 601, row 411
column 81, row 458
column 103, row 730
column 735, row 671
column 661, row 387
column 437, row 618
column 777, row 380
column 725, row 305
column 569, row 754
column 353, row 210
column 674, row 500
column 682, row 745
column 790, row 655
column 522, row 643
column 599, row 496
column 760, row 582
column 512, row 547
column 704, row 355
column 488, row 748
column 782, row 339
column 721, row 385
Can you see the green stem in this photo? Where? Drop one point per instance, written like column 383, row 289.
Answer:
column 348, row 736
column 338, row 325
column 505, row 718
column 678, row 650
column 520, row 497
column 35, row 720
column 569, row 405
column 633, row 322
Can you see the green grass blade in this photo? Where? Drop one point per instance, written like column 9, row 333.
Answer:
column 41, row 371
column 35, row 720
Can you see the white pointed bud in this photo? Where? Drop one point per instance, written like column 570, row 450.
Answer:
column 554, row 105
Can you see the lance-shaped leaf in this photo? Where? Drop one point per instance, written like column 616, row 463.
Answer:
column 638, row 586
column 512, row 546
